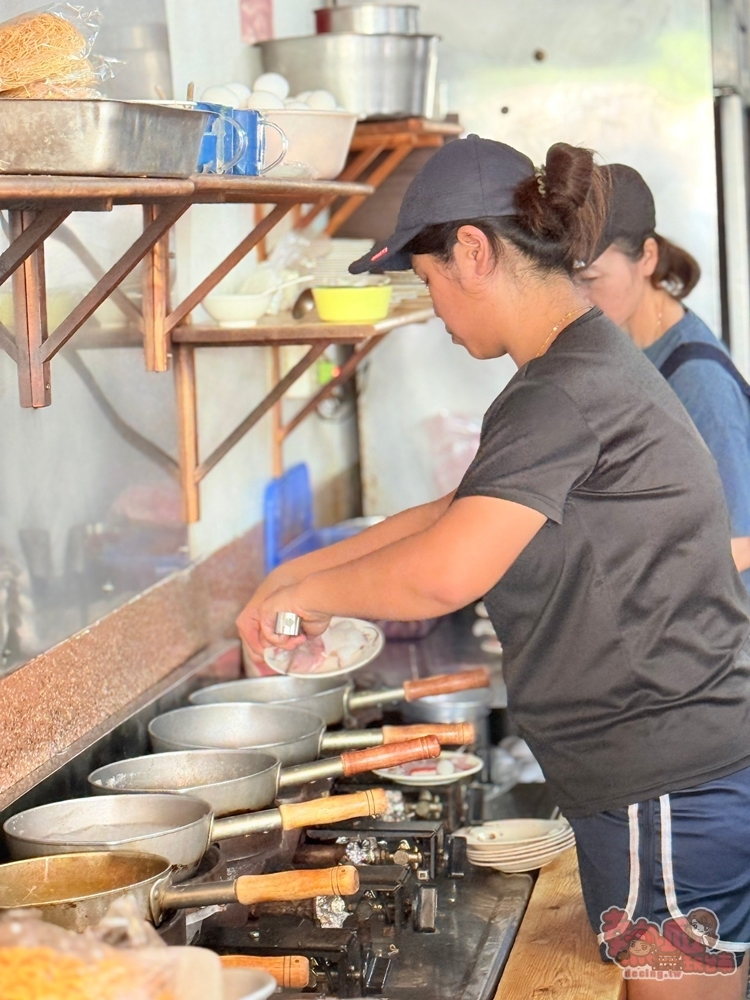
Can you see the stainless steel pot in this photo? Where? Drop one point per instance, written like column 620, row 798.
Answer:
column 76, row 890
column 235, row 781
column 371, row 75
column 331, row 700
column 292, row 735
column 368, row 19
column 179, row 828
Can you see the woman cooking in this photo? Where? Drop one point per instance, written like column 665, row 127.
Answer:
column 593, row 520
column 639, row 279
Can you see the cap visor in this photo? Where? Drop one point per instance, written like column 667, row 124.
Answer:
column 388, row 256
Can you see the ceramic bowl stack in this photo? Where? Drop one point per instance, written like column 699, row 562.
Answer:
column 517, row 845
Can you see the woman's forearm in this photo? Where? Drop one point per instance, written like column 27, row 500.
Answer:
column 393, row 529
column 454, row 561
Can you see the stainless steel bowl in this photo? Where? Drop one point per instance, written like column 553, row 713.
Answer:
column 462, row 706
column 371, row 75
column 368, row 19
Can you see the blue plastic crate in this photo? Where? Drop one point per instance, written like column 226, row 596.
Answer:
column 288, row 512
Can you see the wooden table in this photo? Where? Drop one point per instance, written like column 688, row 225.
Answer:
column 555, row 955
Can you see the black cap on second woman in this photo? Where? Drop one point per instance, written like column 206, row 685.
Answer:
column 470, row 178
column 631, row 213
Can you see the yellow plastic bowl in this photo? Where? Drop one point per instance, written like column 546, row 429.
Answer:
column 352, row 304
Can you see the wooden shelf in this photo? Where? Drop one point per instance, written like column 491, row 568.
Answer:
column 283, row 330
column 38, row 206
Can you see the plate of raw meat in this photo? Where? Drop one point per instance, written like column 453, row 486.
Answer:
column 346, row 645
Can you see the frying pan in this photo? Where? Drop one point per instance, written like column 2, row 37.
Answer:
column 291, row 734
column 234, row 781
column 177, row 827
column 332, row 703
column 76, row 890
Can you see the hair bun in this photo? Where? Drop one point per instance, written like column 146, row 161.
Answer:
column 568, row 173
column 567, row 205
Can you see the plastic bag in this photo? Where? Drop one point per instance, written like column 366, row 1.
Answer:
column 454, row 440
column 46, row 53
column 40, row 961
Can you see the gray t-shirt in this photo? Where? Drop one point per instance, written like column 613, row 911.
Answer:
column 623, row 621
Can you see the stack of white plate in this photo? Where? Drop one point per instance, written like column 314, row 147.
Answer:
column 517, row 845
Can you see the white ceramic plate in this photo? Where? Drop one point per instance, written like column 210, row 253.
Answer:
column 354, row 654
column 526, row 864
column 515, row 831
column 247, row 984
column 489, row 856
column 429, row 771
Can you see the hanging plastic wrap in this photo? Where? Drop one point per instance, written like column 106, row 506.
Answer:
column 46, row 53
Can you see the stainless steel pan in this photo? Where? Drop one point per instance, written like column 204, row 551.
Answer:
column 233, row 781
column 333, row 702
column 76, row 890
column 177, row 827
column 291, row 734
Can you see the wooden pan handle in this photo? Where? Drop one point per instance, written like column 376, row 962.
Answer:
column 330, row 810
column 291, row 972
column 446, row 683
column 340, row 881
column 455, row 734
column 401, row 750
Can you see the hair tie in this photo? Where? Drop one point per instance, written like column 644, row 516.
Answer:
column 540, row 173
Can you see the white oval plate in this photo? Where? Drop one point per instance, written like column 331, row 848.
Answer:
column 489, row 856
column 372, row 642
column 516, row 831
column 401, row 773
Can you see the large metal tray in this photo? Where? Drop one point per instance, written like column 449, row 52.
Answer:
column 99, row 138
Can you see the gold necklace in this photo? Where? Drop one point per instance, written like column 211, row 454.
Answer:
column 556, row 328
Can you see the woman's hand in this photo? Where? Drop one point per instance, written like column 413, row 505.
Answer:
column 314, row 623
column 248, row 622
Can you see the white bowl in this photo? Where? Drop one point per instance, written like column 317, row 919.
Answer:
column 318, row 142
column 247, row 984
column 234, row 312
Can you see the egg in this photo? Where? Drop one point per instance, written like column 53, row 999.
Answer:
column 241, row 90
column 263, row 100
column 321, row 100
column 303, row 96
column 445, row 767
column 275, row 83
column 220, row 95
column 292, row 105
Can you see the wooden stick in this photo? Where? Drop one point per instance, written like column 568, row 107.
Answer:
column 8, row 343
column 260, row 410
column 30, row 313
column 464, row 680
column 277, row 443
column 376, row 178
column 187, row 427
column 297, row 815
column 114, row 276
column 340, row 881
column 449, row 734
column 291, row 972
column 155, row 297
column 30, row 239
column 346, row 372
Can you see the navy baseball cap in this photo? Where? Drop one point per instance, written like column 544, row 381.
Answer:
column 468, row 178
column 632, row 213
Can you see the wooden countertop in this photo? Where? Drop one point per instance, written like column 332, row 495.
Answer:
column 555, row 955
